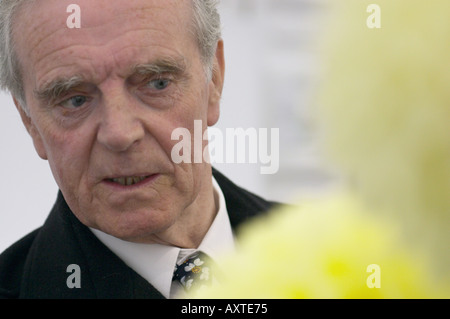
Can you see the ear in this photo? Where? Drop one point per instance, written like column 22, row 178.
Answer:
column 216, row 84
column 31, row 128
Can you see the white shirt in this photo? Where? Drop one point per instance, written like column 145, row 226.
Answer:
column 156, row 262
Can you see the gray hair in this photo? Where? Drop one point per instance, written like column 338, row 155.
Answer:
column 206, row 28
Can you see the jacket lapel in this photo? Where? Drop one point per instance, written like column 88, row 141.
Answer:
column 64, row 241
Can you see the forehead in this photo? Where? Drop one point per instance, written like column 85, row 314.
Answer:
column 120, row 28
column 35, row 17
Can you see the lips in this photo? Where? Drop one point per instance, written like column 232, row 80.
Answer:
column 129, row 180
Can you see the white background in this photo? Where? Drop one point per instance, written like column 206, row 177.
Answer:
column 269, row 79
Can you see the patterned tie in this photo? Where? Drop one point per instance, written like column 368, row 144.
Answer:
column 193, row 272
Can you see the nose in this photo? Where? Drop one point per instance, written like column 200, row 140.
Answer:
column 120, row 126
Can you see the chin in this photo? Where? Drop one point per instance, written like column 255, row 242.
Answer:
column 139, row 227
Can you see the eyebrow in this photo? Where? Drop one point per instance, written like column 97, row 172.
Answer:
column 167, row 65
column 62, row 85
column 58, row 88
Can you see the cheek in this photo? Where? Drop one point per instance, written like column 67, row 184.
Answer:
column 182, row 115
column 67, row 156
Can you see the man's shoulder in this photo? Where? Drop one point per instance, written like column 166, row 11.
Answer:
column 12, row 263
column 36, row 266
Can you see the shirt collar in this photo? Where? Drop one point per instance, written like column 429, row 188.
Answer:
column 156, row 262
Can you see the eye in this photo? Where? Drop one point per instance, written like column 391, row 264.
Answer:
column 74, row 102
column 158, row 84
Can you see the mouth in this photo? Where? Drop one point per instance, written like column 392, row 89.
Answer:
column 129, row 180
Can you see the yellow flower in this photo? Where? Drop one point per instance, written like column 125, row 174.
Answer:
column 384, row 111
column 384, row 107
column 322, row 249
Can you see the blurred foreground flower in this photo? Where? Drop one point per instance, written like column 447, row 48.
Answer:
column 323, row 249
column 384, row 111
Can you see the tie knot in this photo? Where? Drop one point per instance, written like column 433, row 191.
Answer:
column 193, row 271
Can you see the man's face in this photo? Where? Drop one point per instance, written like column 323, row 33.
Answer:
column 103, row 102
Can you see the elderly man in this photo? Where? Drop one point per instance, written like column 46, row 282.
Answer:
column 100, row 101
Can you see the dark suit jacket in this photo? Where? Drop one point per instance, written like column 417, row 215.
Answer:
column 36, row 265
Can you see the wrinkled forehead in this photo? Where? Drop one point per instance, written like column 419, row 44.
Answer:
column 42, row 23
column 94, row 13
